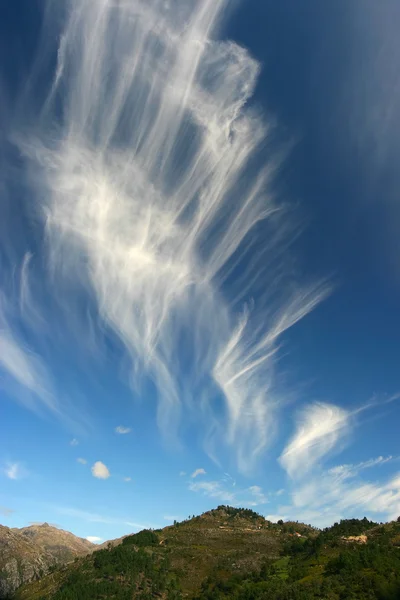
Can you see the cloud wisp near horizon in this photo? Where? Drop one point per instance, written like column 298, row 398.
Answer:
column 147, row 268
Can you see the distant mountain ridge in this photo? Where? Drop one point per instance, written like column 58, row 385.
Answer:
column 29, row 553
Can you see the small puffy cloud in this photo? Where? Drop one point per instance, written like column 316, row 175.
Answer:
column 13, row 471
column 100, row 470
column 82, row 461
column 182, row 473
column 122, row 430
column 198, row 472
column 127, row 479
column 94, row 539
column 74, row 442
column 280, row 492
column 275, row 518
column 6, row 512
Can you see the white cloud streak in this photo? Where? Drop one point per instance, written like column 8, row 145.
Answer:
column 258, row 496
column 22, row 370
column 322, row 496
column 225, row 490
column 319, row 429
column 122, row 430
column 6, row 512
column 81, row 461
column 148, row 207
column 198, row 472
column 340, row 493
column 23, row 366
column 13, row 471
column 92, row 517
column 94, row 539
column 100, row 470
column 213, row 489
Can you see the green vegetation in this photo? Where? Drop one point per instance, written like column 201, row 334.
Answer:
column 244, row 513
column 233, row 554
column 349, row 527
column 118, row 573
column 321, row 567
column 142, row 539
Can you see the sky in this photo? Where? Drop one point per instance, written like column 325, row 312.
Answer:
column 199, row 261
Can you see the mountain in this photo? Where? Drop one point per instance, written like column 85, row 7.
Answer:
column 29, row 553
column 231, row 553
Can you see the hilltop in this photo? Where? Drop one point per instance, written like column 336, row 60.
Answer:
column 29, row 553
column 232, row 553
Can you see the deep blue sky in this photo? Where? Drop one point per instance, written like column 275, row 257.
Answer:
column 330, row 81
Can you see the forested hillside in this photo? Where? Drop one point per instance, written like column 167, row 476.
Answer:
column 232, row 553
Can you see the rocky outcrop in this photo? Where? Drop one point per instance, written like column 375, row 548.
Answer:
column 29, row 553
column 16, row 572
column 359, row 539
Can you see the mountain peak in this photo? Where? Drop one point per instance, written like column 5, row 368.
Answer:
column 35, row 549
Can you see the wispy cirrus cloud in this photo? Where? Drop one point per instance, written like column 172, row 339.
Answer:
column 81, row 461
column 25, row 369
column 74, row 442
column 6, row 512
column 14, row 470
column 152, row 244
column 322, row 495
column 347, row 471
column 93, row 517
column 172, row 518
column 225, row 490
column 25, row 375
column 258, row 497
column 213, row 489
column 319, row 429
column 339, row 492
column 44, row 523
column 122, row 430
column 198, row 472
